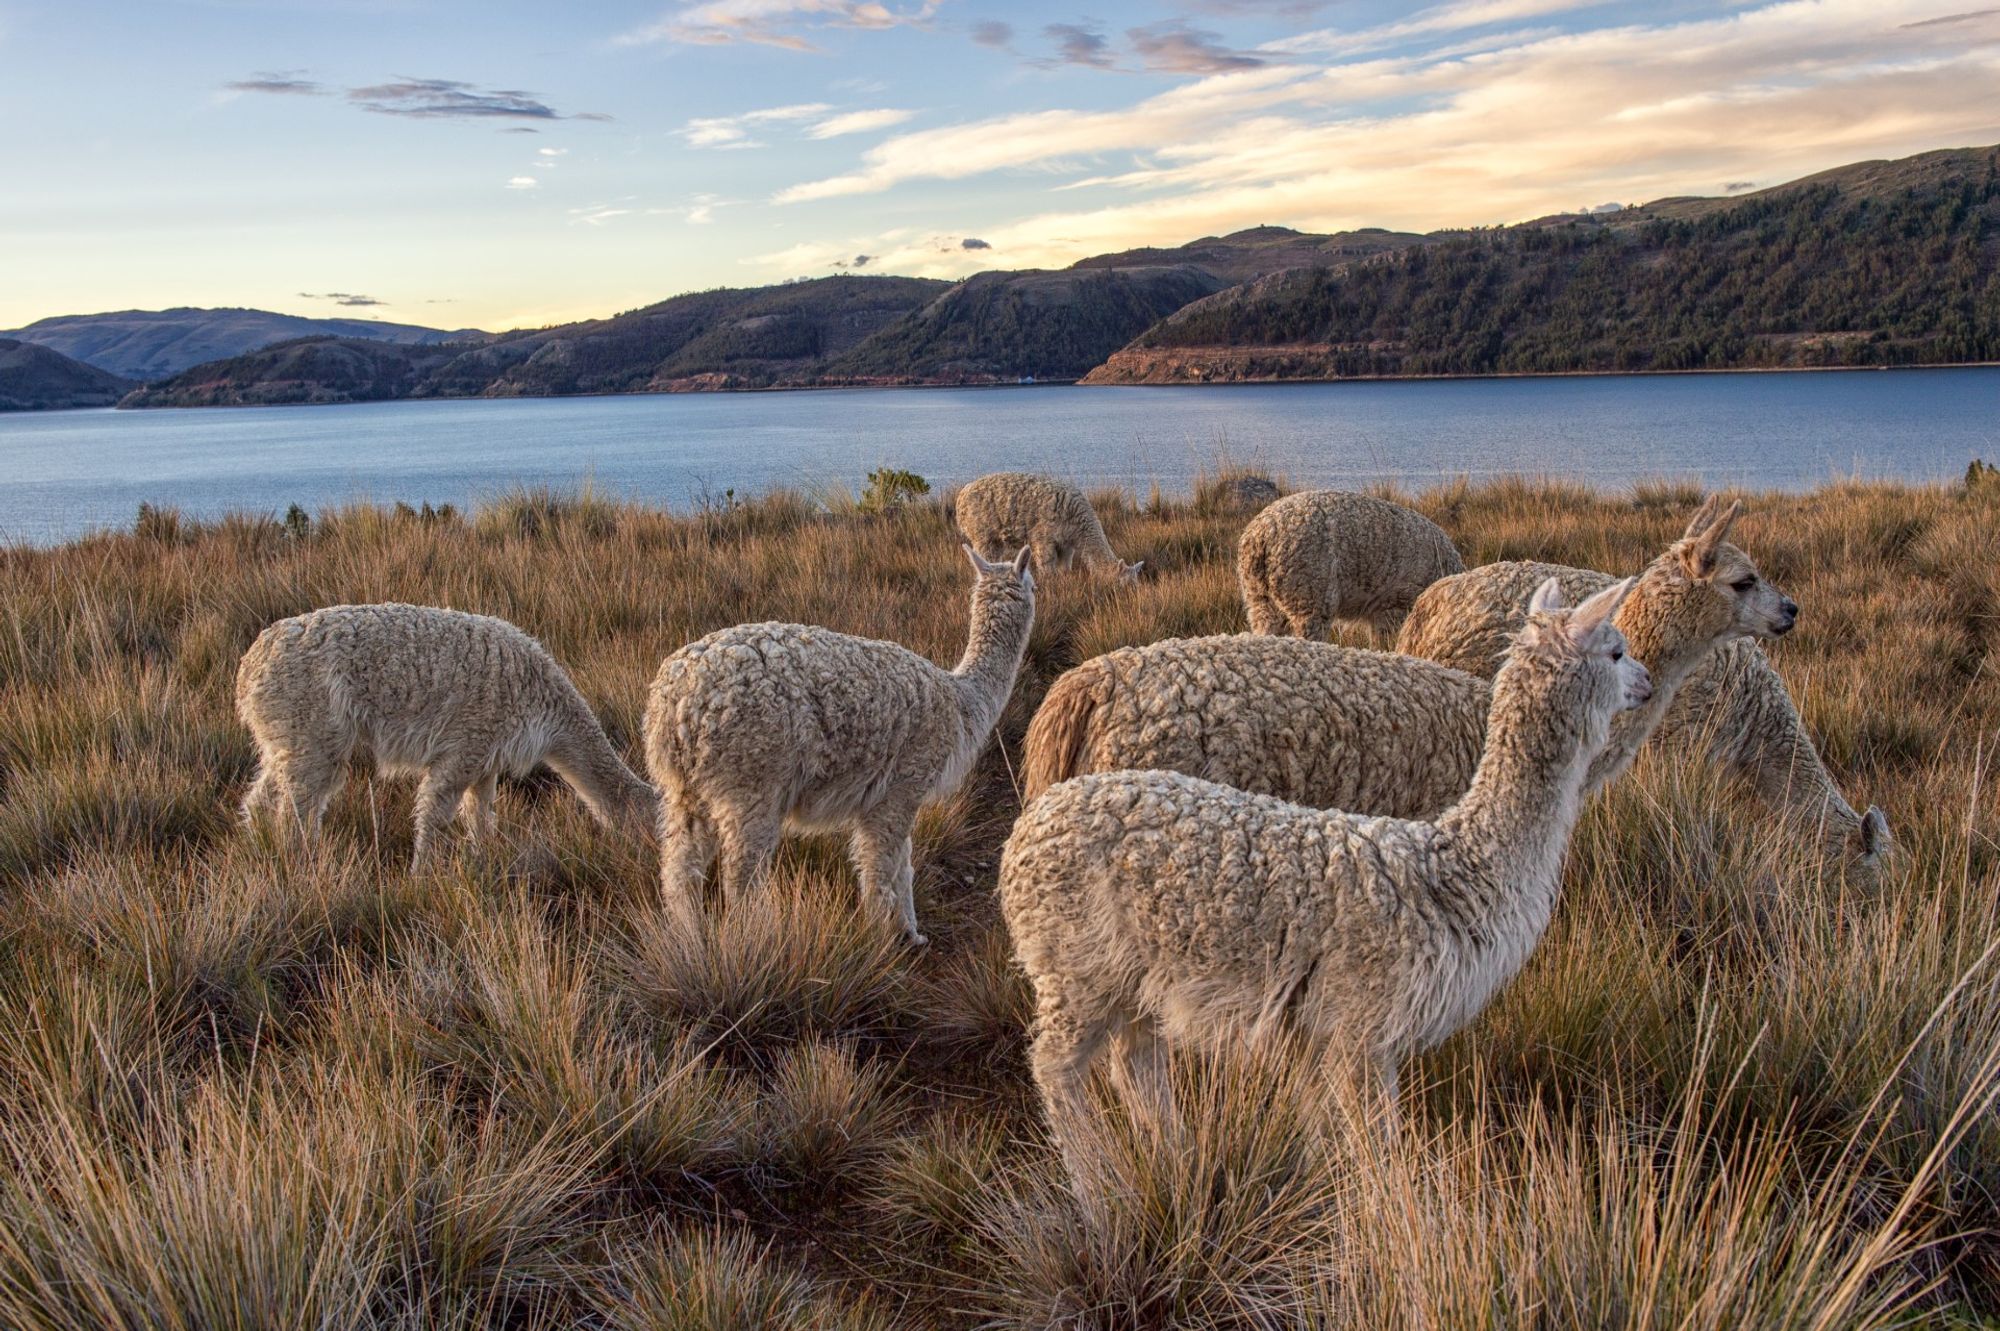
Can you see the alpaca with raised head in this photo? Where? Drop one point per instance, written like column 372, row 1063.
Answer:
column 458, row 700
column 1155, row 906
column 1003, row 511
column 1319, row 556
column 1732, row 706
column 761, row 725
column 1373, row 732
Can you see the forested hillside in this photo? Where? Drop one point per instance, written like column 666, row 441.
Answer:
column 1864, row 266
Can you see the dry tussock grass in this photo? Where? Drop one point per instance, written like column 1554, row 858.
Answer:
column 241, row 1087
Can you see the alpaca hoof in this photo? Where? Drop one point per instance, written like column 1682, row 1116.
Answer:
column 918, row 940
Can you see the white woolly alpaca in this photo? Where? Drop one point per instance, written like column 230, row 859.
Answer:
column 455, row 699
column 1372, row 732
column 1732, row 705
column 999, row 513
column 1323, row 555
column 1153, row 904
column 762, row 724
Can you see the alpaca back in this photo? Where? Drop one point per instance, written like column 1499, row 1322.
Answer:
column 1317, row 724
column 829, row 720
column 1330, row 554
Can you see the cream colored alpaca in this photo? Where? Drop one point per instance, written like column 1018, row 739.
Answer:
column 458, row 700
column 1733, row 705
column 1153, row 904
column 1372, row 732
column 998, row 514
column 1319, row 556
column 762, row 724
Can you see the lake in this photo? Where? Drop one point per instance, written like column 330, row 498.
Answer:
column 65, row 473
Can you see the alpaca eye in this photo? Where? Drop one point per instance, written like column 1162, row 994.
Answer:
column 1618, row 653
column 1745, row 584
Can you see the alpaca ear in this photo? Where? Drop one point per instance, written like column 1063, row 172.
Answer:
column 979, row 566
column 1548, row 598
column 1874, row 832
column 1597, row 610
column 1702, row 517
column 1021, row 559
column 1701, row 555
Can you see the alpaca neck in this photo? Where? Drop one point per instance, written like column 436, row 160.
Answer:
column 1515, row 820
column 1669, row 661
column 581, row 755
column 1096, row 551
column 993, row 651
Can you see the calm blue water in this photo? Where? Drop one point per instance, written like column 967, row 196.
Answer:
column 64, row 473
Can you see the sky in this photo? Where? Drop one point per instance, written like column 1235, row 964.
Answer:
column 506, row 164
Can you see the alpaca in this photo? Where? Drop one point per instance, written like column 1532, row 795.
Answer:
column 1373, row 732
column 1146, row 905
column 1733, row 706
column 1007, row 509
column 1323, row 555
column 453, row 698
column 763, row 723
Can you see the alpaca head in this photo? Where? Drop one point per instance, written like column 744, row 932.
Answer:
column 998, row 585
column 1704, row 591
column 1128, row 574
column 1576, row 657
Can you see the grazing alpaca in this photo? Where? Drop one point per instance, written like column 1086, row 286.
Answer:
column 762, row 724
column 455, row 699
column 1153, row 904
column 1323, row 555
column 1008, row 509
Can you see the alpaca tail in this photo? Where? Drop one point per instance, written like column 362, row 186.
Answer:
column 1061, row 728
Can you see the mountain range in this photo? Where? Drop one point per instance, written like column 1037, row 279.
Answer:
column 1877, row 263
column 34, row 378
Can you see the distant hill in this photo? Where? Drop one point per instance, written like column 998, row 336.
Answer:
column 739, row 338
column 1879, row 263
column 1244, row 255
column 1003, row 327
column 34, row 378
column 152, row 344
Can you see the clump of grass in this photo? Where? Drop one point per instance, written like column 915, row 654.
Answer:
column 697, row 1280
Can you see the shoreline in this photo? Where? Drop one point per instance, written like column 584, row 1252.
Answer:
column 1075, row 383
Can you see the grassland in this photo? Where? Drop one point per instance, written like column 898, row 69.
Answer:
column 241, row 1087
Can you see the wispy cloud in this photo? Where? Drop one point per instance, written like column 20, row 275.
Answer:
column 973, row 243
column 282, row 82
column 1179, row 49
column 523, row 182
column 772, row 22
column 993, row 33
column 419, row 99
column 734, row 131
column 1078, row 44
column 857, row 122
column 341, row 298
column 446, row 99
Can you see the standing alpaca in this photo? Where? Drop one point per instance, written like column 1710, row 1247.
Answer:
column 763, row 723
column 1374, row 732
column 1322, row 555
column 1150, row 904
column 1009, row 509
column 1733, row 706
column 455, row 699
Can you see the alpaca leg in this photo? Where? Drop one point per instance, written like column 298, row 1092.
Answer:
column 1265, row 616
column 1139, row 1071
column 1312, row 626
column 308, row 786
column 1069, row 1035
column 263, row 794
column 438, row 797
column 749, row 841
column 687, row 847
column 881, row 850
column 475, row 809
